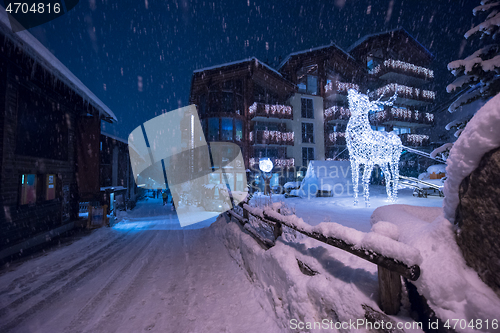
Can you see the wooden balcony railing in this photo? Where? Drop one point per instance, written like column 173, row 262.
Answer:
column 400, row 114
column 270, row 111
column 405, row 92
column 397, row 66
column 414, row 140
column 271, row 138
column 337, row 87
column 337, row 113
column 336, row 138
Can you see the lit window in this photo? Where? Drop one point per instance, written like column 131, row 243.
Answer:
column 28, row 189
column 312, row 85
column 213, row 129
column 50, row 187
column 227, row 129
column 239, row 130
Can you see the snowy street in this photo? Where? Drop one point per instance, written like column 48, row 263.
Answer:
column 145, row 274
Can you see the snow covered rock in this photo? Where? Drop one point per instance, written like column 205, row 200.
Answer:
column 472, row 192
column 452, row 289
column 386, row 229
column 479, row 137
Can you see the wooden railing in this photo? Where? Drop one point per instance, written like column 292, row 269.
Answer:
column 390, row 269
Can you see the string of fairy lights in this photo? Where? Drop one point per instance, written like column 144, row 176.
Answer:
column 274, row 137
column 270, row 109
column 341, row 87
column 403, row 66
column 404, row 91
column 337, row 112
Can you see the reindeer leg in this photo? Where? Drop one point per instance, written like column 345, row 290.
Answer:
column 395, row 179
column 387, row 176
column 355, row 178
column 366, row 182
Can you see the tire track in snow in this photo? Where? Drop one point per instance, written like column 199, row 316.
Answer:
column 90, row 263
column 87, row 311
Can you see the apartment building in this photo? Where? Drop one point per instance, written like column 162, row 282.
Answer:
column 299, row 111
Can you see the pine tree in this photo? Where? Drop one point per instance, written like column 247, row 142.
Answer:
column 478, row 75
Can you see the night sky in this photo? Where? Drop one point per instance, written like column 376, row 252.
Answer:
column 138, row 56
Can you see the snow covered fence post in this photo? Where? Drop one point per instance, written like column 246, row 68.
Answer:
column 278, row 229
column 389, row 285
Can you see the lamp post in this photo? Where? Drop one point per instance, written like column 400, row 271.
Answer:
column 266, row 165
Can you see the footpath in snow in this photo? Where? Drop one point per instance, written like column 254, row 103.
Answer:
column 145, row 274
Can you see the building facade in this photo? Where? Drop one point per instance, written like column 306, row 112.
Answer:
column 299, row 112
column 49, row 140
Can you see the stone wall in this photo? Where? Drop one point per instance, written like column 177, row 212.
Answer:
column 478, row 216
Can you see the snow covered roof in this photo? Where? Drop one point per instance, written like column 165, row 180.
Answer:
column 236, row 63
column 111, row 136
column 366, row 37
column 42, row 56
column 311, row 50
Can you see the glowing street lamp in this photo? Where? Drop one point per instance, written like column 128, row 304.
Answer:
column 266, row 165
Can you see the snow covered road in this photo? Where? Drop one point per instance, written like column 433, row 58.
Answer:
column 145, row 274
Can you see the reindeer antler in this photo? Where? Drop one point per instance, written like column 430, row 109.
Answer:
column 389, row 102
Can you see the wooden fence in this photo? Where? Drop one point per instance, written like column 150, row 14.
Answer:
column 390, row 270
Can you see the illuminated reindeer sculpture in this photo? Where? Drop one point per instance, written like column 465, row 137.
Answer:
column 370, row 147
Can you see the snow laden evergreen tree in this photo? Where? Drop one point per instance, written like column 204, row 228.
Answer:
column 478, row 74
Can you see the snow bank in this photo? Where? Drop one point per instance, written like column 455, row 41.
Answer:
column 479, row 136
column 452, row 289
column 343, row 282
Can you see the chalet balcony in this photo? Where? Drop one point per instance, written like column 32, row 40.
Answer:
column 400, row 116
column 391, row 68
column 406, row 95
column 278, row 162
column 271, row 138
column 337, row 90
column 336, row 138
column 270, row 111
column 414, row 140
column 337, row 113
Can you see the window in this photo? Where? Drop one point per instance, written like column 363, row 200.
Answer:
column 238, row 130
column 378, row 128
column 307, row 108
column 307, row 155
column 307, row 133
column 227, row 129
column 28, row 189
column 213, row 129
column 401, row 130
column 50, row 187
column 312, row 85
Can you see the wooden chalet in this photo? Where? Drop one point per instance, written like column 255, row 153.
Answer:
column 50, row 127
column 228, row 96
